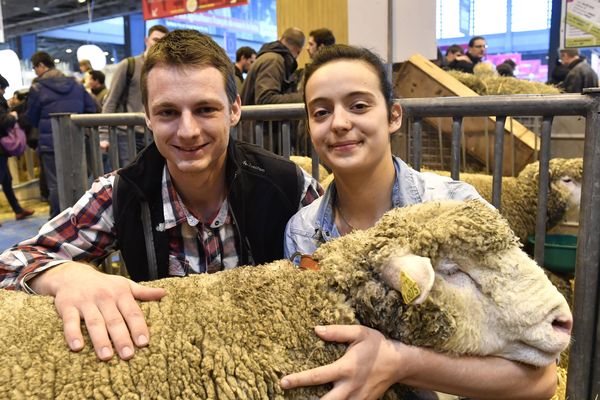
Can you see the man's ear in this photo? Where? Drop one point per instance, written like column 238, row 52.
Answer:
column 236, row 111
column 396, row 118
column 148, row 123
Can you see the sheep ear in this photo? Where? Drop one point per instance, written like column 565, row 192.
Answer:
column 411, row 275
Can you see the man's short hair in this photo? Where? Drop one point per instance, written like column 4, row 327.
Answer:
column 98, row 76
column 159, row 28
column 188, row 48
column 294, row 37
column 474, row 39
column 41, row 57
column 245, row 52
column 323, row 36
column 455, row 49
column 570, row 52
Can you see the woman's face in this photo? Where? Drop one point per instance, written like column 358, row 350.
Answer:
column 348, row 117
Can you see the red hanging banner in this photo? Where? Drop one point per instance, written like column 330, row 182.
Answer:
column 168, row 8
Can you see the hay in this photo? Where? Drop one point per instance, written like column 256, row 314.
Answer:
column 486, row 82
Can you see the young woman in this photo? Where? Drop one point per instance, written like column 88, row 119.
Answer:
column 351, row 116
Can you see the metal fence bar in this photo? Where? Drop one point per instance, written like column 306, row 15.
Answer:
column 64, row 164
column 455, row 147
column 417, row 143
column 543, row 188
column 95, row 157
column 583, row 372
column 113, row 150
column 285, row 142
column 498, row 160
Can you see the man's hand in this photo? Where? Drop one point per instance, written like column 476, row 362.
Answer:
column 105, row 302
column 370, row 366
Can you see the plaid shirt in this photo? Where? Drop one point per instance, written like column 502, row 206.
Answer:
column 85, row 232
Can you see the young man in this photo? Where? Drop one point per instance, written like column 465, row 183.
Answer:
column 317, row 39
column 52, row 92
column 193, row 201
column 244, row 58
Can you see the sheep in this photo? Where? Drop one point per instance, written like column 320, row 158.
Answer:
column 306, row 164
column 445, row 275
column 519, row 195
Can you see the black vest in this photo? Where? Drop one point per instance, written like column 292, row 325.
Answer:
column 264, row 192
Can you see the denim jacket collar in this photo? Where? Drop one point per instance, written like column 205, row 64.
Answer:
column 402, row 195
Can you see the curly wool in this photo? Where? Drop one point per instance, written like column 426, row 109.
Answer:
column 519, row 195
column 235, row 334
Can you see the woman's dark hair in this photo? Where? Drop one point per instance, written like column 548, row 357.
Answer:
column 327, row 54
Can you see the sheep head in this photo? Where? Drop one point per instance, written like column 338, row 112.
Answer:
column 451, row 276
column 566, row 175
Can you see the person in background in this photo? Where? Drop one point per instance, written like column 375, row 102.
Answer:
column 8, row 119
column 125, row 94
column 475, row 53
column 455, row 55
column 52, row 92
column 218, row 203
column 317, row 39
column 580, row 75
column 244, row 58
column 507, row 68
column 351, row 115
column 97, row 88
column 85, row 67
column 270, row 80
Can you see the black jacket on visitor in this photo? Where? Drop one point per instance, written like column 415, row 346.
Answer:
column 264, row 192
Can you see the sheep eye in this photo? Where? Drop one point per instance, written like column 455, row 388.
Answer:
column 448, row 267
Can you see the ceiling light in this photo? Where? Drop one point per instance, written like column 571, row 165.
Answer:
column 69, row 51
column 112, row 59
column 36, row 8
column 81, row 1
column 106, row 53
column 56, row 61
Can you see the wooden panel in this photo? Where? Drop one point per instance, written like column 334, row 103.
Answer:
column 309, row 15
column 419, row 77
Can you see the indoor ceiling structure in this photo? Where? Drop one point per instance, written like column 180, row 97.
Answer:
column 23, row 17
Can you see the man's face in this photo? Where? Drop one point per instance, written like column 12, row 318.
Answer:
column 247, row 62
column 191, row 127
column 94, row 84
column 311, row 47
column 478, row 48
column 565, row 58
column 153, row 38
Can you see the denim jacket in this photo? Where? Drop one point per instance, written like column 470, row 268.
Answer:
column 314, row 224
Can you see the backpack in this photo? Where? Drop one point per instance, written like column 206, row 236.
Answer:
column 128, row 77
column 14, row 141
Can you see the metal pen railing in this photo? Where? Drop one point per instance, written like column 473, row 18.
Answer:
column 584, row 359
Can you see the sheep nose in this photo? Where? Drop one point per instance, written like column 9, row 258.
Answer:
column 563, row 323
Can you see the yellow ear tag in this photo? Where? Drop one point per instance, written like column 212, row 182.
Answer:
column 409, row 288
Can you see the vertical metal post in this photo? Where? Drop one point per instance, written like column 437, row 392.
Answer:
column 258, row 135
column 417, row 143
column 543, row 187
column 63, row 157
column 455, row 147
column 131, row 144
column 315, row 164
column 583, row 373
column 285, row 139
column 440, row 142
column 498, row 154
column 113, row 149
column 95, row 155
